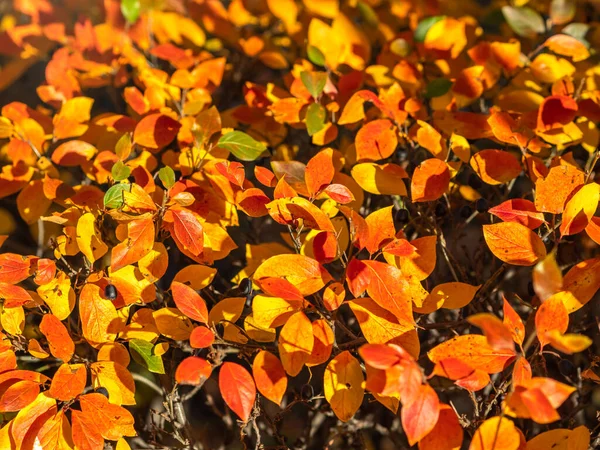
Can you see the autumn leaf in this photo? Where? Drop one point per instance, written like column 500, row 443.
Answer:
column 269, row 376
column 59, row 340
column 139, row 241
column 343, row 385
column 237, row 388
column 189, row 302
column 420, row 416
column 514, row 243
column 296, row 342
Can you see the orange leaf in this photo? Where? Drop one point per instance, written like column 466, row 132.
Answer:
column 99, row 318
column 296, row 342
column 17, row 394
column 430, row 180
column 420, row 416
column 188, row 230
column 547, row 277
column 155, row 131
column 552, row 191
column 566, row 45
column 513, row 322
column 376, row 140
column 380, row 326
column 421, row 263
column 580, row 209
column 189, row 302
column 320, row 171
column 139, row 241
column 324, row 340
column 59, row 340
column 474, row 351
column 447, row 433
column 30, row 419
column 56, row 433
column 385, row 284
column 73, row 153
column 495, row 166
column 556, row 111
column 85, row 432
column 68, row 382
column 269, row 376
column 13, row 268
column 13, row 296
column 552, row 315
column 497, row 334
column 202, row 337
column 303, row 272
column 112, row 421
column 238, row 389
column 514, row 243
column 193, row 370
column 581, row 283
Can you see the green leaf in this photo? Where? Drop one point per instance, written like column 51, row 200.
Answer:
column 143, row 353
column 167, row 176
column 524, row 21
column 424, row 26
column 438, row 87
column 578, row 31
column 315, row 118
column 241, row 145
column 120, row 171
column 130, row 10
column 114, row 196
column 315, row 56
column 314, row 82
column 368, row 14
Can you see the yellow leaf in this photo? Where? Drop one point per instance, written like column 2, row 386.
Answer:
column 13, row 320
column 58, row 295
column 381, row 179
column 173, row 324
column 303, row 272
column 343, row 385
column 379, row 326
column 497, row 433
column 453, row 295
column 116, row 379
column 89, row 239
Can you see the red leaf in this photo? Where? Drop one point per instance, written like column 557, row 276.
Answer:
column 555, row 111
column 188, row 230
column 237, row 388
column 519, row 210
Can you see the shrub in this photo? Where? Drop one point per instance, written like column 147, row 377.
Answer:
column 299, row 224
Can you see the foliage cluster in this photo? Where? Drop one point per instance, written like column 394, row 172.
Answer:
column 299, row 224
